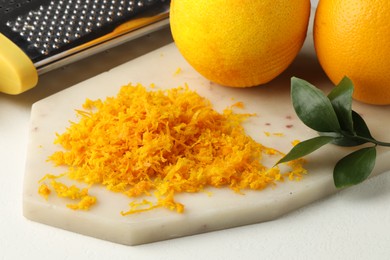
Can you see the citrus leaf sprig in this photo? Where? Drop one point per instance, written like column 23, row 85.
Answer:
column 336, row 123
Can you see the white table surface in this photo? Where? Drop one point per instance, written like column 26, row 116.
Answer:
column 353, row 224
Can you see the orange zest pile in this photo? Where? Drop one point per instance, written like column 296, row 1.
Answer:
column 156, row 144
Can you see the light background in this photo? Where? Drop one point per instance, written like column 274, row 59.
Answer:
column 353, row 224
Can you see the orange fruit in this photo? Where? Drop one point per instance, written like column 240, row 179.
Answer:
column 352, row 38
column 239, row 43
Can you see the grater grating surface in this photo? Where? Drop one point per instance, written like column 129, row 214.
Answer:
column 45, row 28
column 10, row 6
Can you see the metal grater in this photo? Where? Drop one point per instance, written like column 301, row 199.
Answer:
column 56, row 32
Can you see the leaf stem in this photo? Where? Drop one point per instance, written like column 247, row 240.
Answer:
column 382, row 143
column 371, row 140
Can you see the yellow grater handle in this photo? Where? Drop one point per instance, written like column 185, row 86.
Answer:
column 17, row 72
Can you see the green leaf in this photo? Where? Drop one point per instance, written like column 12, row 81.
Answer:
column 360, row 126
column 341, row 139
column 355, row 167
column 313, row 107
column 335, row 121
column 341, row 99
column 361, row 134
column 306, row 147
column 349, row 141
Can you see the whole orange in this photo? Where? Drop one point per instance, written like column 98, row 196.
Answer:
column 239, row 43
column 352, row 38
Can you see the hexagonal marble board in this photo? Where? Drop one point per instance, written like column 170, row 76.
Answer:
column 224, row 208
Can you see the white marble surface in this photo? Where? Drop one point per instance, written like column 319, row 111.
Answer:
column 353, row 224
column 224, row 209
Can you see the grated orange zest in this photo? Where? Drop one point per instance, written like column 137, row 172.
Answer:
column 158, row 144
column 44, row 191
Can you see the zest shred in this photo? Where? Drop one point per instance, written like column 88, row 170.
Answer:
column 159, row 143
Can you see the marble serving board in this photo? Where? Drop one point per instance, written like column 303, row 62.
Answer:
column 166, row 68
